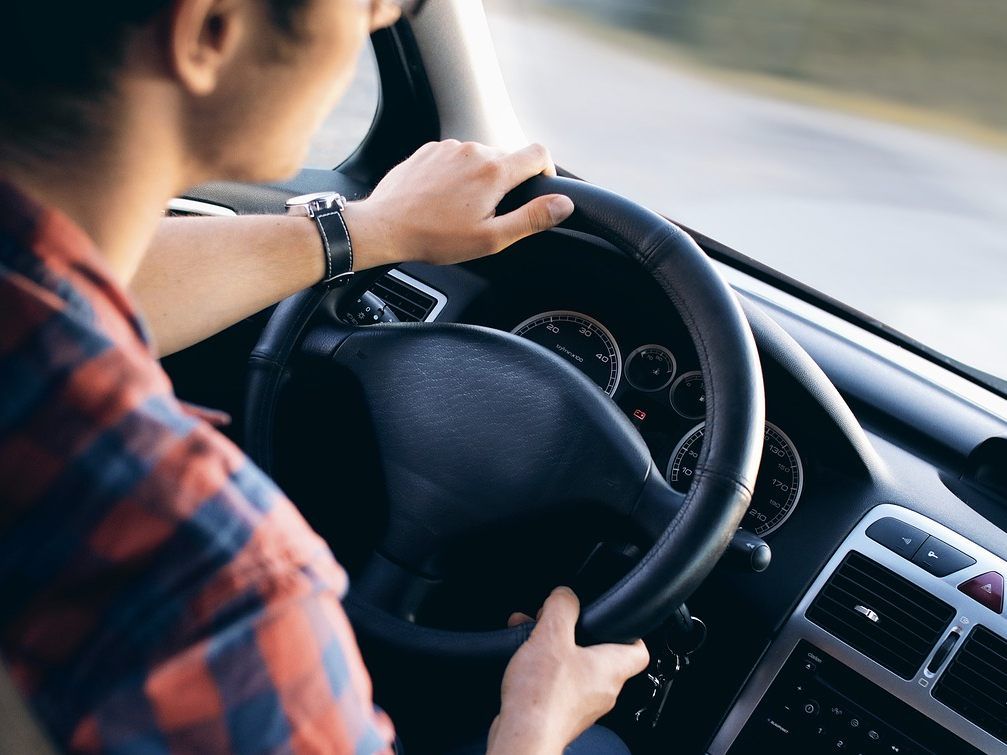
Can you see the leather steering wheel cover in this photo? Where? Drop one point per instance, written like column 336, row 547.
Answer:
column 727, row 468
column 267, row 366
column 726, row 471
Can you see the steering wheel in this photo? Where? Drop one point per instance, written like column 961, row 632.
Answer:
column 478, row 428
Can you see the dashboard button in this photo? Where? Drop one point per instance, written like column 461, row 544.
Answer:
column 987, row 589
column 940, row 559
column 897, row 536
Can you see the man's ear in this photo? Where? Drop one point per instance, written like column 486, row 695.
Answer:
column 204, row 37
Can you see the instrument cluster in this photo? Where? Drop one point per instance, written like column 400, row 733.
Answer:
column 664, row 396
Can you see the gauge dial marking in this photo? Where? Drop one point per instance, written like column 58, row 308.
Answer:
column 581, row 340
column 650, row 368
column 688, row 395
column 777, row 489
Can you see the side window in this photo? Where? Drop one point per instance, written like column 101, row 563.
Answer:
column 350, row 120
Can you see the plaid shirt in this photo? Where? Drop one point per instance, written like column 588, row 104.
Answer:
column 159, row 593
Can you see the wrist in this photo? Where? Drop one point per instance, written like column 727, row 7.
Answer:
column 373, row 243
column 303, row 234
column 517, row 734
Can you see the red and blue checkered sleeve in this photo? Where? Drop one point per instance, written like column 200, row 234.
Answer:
column 262, row 656
column 161, row 594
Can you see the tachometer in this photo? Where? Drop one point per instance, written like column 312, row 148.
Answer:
column 581, row 340
column 777, row 489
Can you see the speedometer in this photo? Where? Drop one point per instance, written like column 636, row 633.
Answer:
column 777, row 489
column 579, row 339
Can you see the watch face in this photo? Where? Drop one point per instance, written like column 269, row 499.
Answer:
column 320, row 199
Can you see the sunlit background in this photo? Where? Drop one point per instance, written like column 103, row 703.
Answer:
column 859, row 146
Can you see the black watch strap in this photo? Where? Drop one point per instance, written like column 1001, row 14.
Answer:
column 337, row 245
column 326, row 209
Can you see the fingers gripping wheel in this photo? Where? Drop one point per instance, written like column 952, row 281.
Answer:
column 432, row 381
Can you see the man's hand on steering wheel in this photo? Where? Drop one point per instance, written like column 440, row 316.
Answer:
column 439, row 206
column 554, row 689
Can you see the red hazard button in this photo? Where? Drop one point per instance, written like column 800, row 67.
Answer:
column 987, row 588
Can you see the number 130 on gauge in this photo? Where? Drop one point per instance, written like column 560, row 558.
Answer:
column 777, row 489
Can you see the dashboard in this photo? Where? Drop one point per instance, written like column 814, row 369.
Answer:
column 798, row 659
column 823, row 678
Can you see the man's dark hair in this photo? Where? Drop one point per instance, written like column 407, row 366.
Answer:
column 58, row 60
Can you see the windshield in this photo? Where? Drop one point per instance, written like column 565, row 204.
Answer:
column 857, row 146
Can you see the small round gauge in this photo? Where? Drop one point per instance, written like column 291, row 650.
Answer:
column 688, row 395
column 650, row 368
column 777, row 488
column 581, row 340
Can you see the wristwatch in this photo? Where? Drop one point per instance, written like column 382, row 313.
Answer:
column 326, row 209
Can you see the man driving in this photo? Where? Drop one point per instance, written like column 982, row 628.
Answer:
column 160, row 593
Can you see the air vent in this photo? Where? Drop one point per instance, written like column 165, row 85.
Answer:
column 881, row 614
column 975, row 683
column 407, row 301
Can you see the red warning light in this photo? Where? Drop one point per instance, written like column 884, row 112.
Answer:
column 640, row 414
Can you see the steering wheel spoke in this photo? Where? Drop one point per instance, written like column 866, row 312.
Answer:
column 657, row 507
column 392, row 587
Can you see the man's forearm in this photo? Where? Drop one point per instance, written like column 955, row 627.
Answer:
column 203, row 274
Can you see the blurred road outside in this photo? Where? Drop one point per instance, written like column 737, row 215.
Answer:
column 899, row 221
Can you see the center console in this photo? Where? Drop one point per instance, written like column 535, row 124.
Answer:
column 899, row 647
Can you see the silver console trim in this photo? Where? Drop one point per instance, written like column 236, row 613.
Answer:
column 440, row 298
column 915, row 692
column 196, row 207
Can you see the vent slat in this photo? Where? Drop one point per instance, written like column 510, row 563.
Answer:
column 844, row 613
column 917, row 599
column 982, row 669
column 906, row 620
column 977, row 698
column 965, row 706
column 975, row 682
column 408, row 304
column 872, row 643
column 418, row 300
column 400, row 305
column 913, row 610
column 1000, row 651
column 910, row 620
